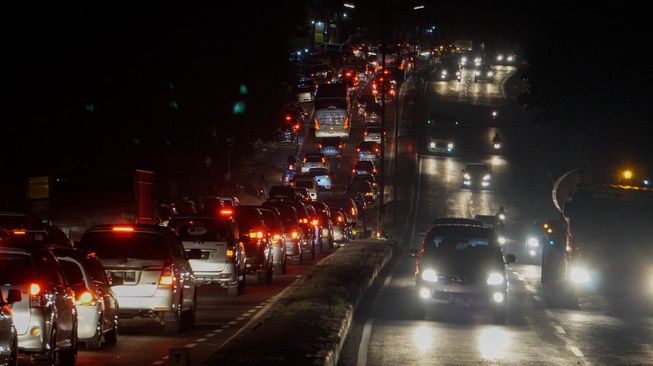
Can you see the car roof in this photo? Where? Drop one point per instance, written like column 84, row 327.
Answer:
column 456, row 220
column 368, row 144
column 364, row 162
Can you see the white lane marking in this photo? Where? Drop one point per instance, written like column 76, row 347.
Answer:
column 576, row 351
column 560, row 330
column 367, row 328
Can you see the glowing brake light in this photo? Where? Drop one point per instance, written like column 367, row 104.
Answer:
column 86, row 298
column 230, row 253
column 35, row 296
column 255, row 234
column 34, row 289
column 123, row 228
column 226, row 211
column 167, row 277
column 19, row 232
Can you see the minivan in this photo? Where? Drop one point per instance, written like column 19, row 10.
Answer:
column 223, row 255
column 308, row 182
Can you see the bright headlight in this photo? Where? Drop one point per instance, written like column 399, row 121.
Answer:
column 487, row 177
column 533, row 242
column 467, row 176
column 495, row 279
column 429, row 275
column 579, row 275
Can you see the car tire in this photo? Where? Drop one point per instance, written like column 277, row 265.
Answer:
column 300, row 258
column 13, row 356
column 173, row 324
column 239, row 287
column 261, row 277
column 111, row 337
column 284, row 265
column 93, row 343
column 188, row 316
column 49, row 358
column 68, row 357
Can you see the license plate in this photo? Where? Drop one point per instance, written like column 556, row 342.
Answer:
column 127, row 276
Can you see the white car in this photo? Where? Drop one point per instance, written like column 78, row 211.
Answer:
column 158, row 280
column 373, row 133
column 322, row 176
column 97, row 304
column 314, row 160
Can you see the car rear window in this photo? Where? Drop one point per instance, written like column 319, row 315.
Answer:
column 15, row 268
column 195, row 229
column 304, row 184
column 109, row 245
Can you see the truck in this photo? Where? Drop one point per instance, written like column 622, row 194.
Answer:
column 77, row 200
column 608, row 244
column 440, row 132
column 332, row 111
column 463, row 45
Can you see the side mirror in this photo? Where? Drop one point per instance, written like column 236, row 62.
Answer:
column 14, row 295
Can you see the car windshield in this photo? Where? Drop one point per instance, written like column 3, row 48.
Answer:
column 459, row 237
column 134, row 245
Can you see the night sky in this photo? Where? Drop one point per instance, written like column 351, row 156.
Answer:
column 151, row 84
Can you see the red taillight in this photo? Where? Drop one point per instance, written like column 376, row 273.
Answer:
column 294, row 235
column 276, row 239
column 315, row 222
column 256, row 234
column 230, row 253
column 226, row 211
column 34, row 289
column 86, row 298
column 19, row 232
column 288, row 118
column 167, row 277
column 35, row 296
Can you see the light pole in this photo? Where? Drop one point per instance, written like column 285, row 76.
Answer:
column 396, row 135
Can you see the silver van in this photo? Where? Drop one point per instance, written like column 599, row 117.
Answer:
column 223, row 255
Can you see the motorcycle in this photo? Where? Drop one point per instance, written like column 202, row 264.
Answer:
column 496, row 142
column 288, row 174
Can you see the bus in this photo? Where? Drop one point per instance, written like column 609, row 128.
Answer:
column 332, row 116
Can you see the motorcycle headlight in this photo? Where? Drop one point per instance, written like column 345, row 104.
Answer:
column 495, row 279
column 429, row 275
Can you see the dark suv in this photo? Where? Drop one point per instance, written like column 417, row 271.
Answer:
column 258, row 244
column 462, row 264
column 158, row 280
